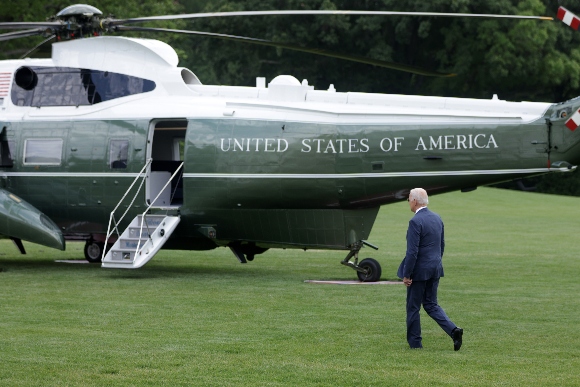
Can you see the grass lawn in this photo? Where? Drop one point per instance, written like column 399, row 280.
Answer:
column 201, row 318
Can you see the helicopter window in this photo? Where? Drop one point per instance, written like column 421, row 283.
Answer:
column 118, row 154
column 43, row 151
column 63, row 86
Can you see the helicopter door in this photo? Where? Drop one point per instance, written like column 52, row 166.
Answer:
column 166, row 141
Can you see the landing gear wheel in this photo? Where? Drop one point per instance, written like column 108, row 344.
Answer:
column 94, row 251
column 373, row 270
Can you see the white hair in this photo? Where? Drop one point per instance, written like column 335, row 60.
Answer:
column 420, row 195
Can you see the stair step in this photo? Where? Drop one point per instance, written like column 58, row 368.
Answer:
column 134, row 232
column 131, row 243
column 132, row 252
column 122, row 255
column 153, row 221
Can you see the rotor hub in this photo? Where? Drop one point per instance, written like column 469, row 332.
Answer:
column 78, row 21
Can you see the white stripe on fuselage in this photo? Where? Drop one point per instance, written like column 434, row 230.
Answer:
column 372, row 175
column 67, row 174
column 300, row 175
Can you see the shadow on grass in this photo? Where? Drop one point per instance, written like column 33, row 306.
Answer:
column 217, row 265
column 200, row 271
column 37, row 266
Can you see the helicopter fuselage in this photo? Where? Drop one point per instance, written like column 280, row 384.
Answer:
column 277, row 165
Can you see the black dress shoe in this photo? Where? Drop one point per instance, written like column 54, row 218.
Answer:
column 457, row 336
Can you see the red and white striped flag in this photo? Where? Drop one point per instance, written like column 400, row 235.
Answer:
column 573, row 21
column 5, row 79
column 568, row 18
column 574, row 121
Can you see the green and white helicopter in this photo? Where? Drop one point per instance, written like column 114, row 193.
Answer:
column 111, row 142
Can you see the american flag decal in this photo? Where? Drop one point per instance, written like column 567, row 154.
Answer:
column 4, row 84
column 574, row 121
column 568, row 18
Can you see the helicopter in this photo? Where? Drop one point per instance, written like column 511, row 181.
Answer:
column 110, row 142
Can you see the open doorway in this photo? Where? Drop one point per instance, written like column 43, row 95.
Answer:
column 166, row 145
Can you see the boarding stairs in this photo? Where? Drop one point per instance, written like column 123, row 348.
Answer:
column 146, row 233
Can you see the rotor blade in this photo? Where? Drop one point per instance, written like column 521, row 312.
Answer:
column 20, row 34
column 352, row 58
column 37, row 46
column 319, row 12
column 21, row 25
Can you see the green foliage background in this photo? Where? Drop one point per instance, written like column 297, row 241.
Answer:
column 517, row 60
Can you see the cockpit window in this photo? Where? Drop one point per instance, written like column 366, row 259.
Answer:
column 64, row 86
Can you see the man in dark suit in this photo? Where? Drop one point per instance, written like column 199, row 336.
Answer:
column 421, row 269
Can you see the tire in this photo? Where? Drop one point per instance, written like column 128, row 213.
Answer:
column 373, row 269
column 94, row 251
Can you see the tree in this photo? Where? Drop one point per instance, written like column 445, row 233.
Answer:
column 519, row 60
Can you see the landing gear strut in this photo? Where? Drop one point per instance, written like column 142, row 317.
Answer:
column 369, row 269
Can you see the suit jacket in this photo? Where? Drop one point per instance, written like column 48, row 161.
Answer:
column 425, row 246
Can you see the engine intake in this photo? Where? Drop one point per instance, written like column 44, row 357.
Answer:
column 26, row 78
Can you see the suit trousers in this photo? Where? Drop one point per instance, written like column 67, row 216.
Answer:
column 424, row 292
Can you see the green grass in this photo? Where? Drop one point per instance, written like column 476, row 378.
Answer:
column 201, row 318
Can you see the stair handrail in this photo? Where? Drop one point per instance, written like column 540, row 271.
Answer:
column 144, row 214
column 112, row 216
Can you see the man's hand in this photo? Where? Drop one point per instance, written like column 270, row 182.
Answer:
column 407, row 281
